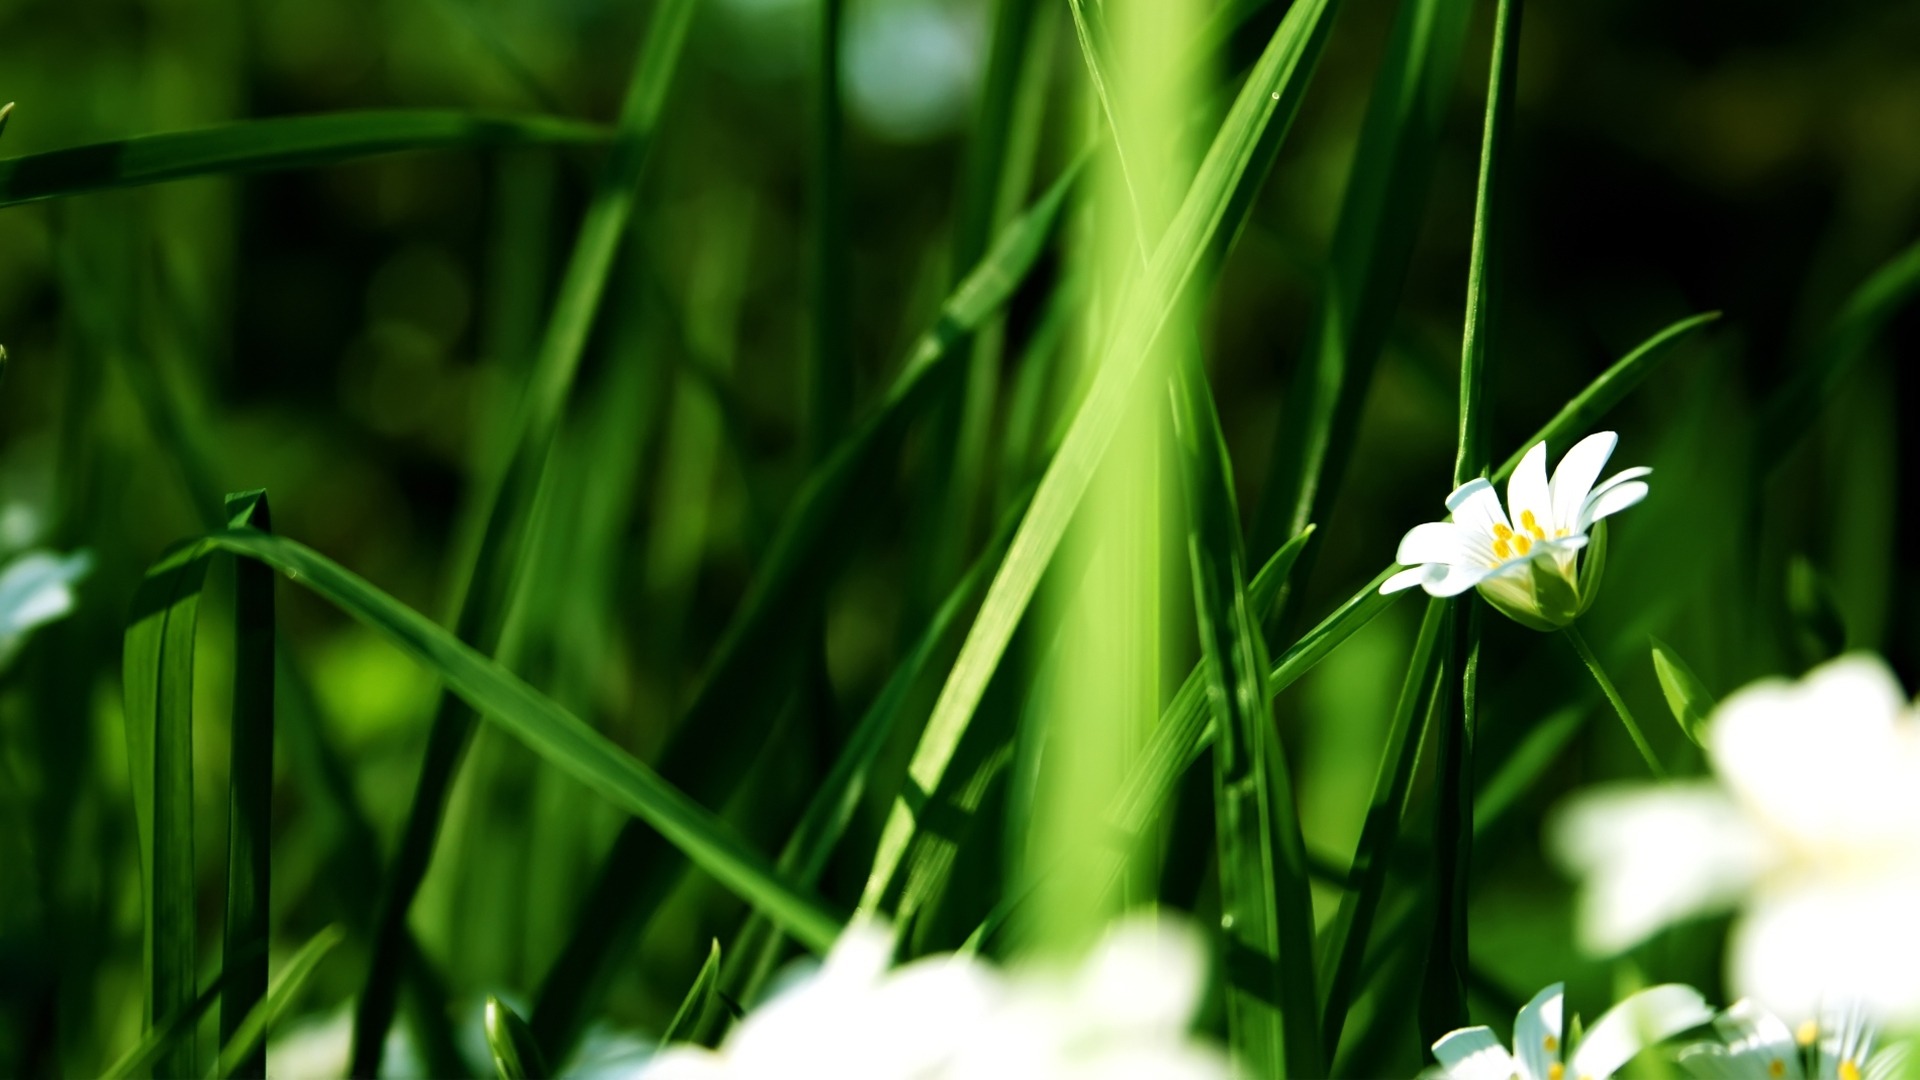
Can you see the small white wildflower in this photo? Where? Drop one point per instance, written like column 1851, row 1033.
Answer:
column 1539, row 1039
column 1525, row 557
column 36, row 589
column 1811, row 828
column 1754, row 1044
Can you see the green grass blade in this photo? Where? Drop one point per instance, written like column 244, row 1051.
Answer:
column 515, row 1055
column 747, row 677
column 829, row 387
column 1793, row 408
column 158, row 674
column 250, row 1036
column 1214, row 209
column 1265, row 904
column 1686, row 695
column 699, row 999
column 1516, row 775
column 1373, row 243
column 1578, row 416
column 508, row 493
column 250, row 786
column 1346, row 940
column 264, row 145
column 161, row 1037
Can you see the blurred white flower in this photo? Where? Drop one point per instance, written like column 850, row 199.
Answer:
column 1526, row 565
column 1122, row 1014
column 1539, row 1037
column 36, row 589
column 1754, row 1044
column 1812, row 828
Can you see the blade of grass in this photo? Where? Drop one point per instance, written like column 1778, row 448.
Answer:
column 1214, row 209
column 829, row 387
column 1266, row 907
column 714, row 741
column 515, row 1055
column 1443, row 1003
column 250, row 1035
column 159, row 1039
column 250, row 786
column 158, row 674
column 294, row 142
column 1373, row 243
column 699, row 999
column 506, row 495
column 1346, row 938
column 523, row 712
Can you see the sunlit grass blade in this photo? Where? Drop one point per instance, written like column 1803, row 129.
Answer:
column 546, row 728
column 515, row 1055
column 250, row 786
column 1213, row 209
column 509, row 490
column 1265, row 904
column 293, row 142
column 700, row 998
column 751, row 668
column 1346, row 938
column 250, row 1035
column 1373, row 243
column 158, row 674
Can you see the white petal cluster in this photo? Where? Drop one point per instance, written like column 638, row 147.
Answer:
column 1539, row 1037
column 1123, row 1014
column 1523, row 557
column 1811, row 828
column 1754, row 1044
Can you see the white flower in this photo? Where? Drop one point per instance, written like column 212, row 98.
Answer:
column 1539, row 1039
column 1122, row 1014
column 1754, row 1044
column 1524, row 557
column 36, row 589
column 1812, row 828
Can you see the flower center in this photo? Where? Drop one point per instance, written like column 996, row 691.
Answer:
column 1556, row 1071
column 1849, row 1071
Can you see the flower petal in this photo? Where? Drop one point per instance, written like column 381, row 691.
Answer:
column 1638, row 472
column 1574, row 478
column 1405, row 579
column 1144, row 978
column 1476, row 507
column 1610, row 502
column 1653, row 1014
column 1789, row 750
column 1434, row 541
column 1809, row 940
column 1650, row 855
column 1537, row 1032
column 1442, row 580
column 1473, row 1054
column 1527, row 490
column 1756, row 1039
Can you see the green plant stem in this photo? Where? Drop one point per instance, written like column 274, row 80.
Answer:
column 1619, row 704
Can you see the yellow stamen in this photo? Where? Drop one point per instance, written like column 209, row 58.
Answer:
column 1503, row 549
column 1849, row 1071
column 1502, row 531
column 1776, row 1068
column 1551, row 1042
column 1522, row 544
column 1556, row 1070
column 1532, row 525
column 1806, row 1033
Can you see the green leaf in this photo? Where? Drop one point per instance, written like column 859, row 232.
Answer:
column 250, row 1035
column 515, row 1055
column 250, row 785
column 549, row 730
column 293, row 142
column 509, row 491
column 1266, row 906
column 1819, row 630
column 1687, row 697
column 1213, row 210
column 699, row 999
column 157, row 670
